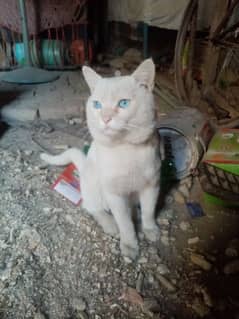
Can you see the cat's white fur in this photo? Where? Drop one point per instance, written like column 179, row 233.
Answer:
column 123, row 159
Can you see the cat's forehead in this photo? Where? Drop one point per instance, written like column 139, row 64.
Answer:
column 122, row 85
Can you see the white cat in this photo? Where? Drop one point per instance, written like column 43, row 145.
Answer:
column 123, row 159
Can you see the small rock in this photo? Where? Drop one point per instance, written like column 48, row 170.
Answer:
column 193, row 241
column 206, row 297
column 166, row 213
column 43, row 166
column 39, row 315
column 165, row 240
column 71, row 122
column 233, row 248
column 57, row 210
column 232, row 267
column 152, row 305
column 201, row 261
column 179, row 198
column 79, row 304
column 163, row 269
column 140, row 282
column 131, row 296
column 166, row 283
column 77, row 120
column 142, row 260
column 81, row 315
column 151, row 279
column 28, row 152
column 163, row 222
column 127, row 260
column 69, row 219
column 184, row 226
column 61, row 147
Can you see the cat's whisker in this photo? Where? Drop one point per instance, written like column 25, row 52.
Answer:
column 130, row 125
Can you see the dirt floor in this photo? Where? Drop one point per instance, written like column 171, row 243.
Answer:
column 55, row 261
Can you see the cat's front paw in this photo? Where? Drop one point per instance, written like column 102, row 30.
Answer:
column 129, row 250
column 111, row 229
column 152, row 233
column 108, row 224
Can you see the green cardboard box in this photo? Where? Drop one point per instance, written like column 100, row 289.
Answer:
column 220, row 168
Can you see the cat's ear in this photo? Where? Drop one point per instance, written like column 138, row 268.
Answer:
column 91, row 77
column 145, row 74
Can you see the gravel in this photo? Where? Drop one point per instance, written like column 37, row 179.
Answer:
column 56, row 262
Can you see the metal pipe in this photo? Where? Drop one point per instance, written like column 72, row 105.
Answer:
column 25, row 35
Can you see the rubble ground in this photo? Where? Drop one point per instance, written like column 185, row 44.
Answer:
column 56, row 262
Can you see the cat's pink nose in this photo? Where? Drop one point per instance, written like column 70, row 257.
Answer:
column 107, row 119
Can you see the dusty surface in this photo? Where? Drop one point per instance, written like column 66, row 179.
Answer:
column 55, row 261
column 56, row 100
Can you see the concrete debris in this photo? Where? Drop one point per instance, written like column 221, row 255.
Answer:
column 200, row 261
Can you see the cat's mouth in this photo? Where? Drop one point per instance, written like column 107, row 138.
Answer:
column 109, row 130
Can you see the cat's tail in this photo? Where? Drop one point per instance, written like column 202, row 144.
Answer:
column 72, row 155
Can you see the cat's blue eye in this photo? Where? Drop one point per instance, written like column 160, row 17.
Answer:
column 124, row 103
column 97, row 105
